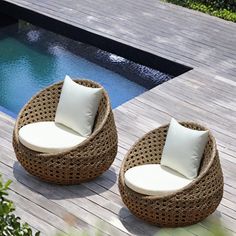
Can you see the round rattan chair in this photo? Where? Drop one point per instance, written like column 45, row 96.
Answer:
column 82, row 163
column 186, row 206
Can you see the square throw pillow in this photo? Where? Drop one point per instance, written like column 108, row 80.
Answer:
column 77, row 107
column 183, row 149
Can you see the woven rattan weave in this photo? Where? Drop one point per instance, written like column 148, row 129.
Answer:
column 88, row 160
column 187, row 206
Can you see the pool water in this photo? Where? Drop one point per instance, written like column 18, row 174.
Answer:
column 32, row 58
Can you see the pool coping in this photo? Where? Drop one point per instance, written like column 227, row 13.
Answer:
column 8, row 112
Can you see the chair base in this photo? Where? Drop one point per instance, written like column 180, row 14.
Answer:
column 70, row 173
column 170, row 212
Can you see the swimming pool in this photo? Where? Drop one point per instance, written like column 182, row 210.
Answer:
column 32, row 58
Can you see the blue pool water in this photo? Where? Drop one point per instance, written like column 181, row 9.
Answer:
column 33, row 58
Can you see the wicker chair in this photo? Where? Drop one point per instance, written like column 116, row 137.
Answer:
column 88, row 160
column 187, row 206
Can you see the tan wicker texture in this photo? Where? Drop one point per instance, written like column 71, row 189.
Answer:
column 187, row 206
column 88, row 160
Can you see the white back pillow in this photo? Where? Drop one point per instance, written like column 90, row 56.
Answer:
column 183, row 149
column 77, row 107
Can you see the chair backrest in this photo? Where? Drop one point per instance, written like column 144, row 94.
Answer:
column 149, row 148
column 42, row 106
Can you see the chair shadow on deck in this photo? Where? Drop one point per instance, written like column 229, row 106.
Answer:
column 211, row 226
column 56, row 192
column 134, row 225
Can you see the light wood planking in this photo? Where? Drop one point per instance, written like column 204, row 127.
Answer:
column 207, row 94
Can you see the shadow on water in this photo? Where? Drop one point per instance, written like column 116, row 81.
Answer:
column 7, row 25
column 57, row 192
column 47, row 42
column 32, row 58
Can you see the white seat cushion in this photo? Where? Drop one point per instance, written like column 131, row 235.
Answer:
column 78, row 106
column 183, row 149
column 154, row 179
column 49, row 137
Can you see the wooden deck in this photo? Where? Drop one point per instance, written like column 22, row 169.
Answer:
column 45, row 206
column 206, row 94
column 142, row 32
